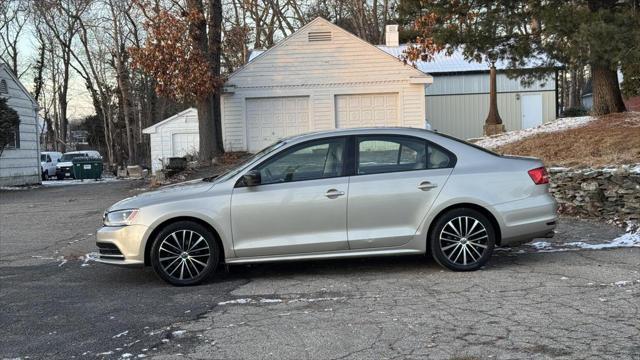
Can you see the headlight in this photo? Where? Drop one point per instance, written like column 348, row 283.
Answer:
column 119, row 217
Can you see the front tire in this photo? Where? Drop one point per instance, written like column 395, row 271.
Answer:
column 462, row 240
column 185, row 253
column 45, row 175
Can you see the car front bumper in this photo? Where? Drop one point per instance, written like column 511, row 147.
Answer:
column 121, row 245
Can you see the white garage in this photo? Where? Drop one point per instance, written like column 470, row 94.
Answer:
column 176, row 136
column 319, row 78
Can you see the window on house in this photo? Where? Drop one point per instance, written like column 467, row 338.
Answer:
column 3, row 87
column 15, row 140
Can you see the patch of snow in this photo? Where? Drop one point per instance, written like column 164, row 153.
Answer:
column 64, row 261
column 541, row 245
column 517, row 135
column 126, row 355
column 120, row 334
column 270, row 301
column 53, row 183
column 622, row 283
column 236, row 301
column 626, row 240
column 278, row 301
column 631, row 239
column 178, row 333
column 104, row 353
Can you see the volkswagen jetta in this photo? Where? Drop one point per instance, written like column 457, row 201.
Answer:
column 337, row 194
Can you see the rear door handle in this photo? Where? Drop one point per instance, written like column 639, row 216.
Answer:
column 333, row 193
column 427, row 185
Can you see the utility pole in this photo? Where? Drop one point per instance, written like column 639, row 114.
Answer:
column 493, row 124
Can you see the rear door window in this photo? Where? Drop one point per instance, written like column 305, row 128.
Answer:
column 383, row 154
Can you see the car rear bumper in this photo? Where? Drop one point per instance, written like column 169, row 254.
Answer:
column 527, row 219
column 121, row 245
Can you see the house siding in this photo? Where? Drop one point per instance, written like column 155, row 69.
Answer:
column 21, row 166
column 319, row 70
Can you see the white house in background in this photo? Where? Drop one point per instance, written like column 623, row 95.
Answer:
column 20, row 162
column 174, row 137
column 321, row 77
column 322, row 74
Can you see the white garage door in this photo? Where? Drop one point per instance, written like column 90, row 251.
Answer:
column 366, row 110
column 271, row 119
column 185, row 143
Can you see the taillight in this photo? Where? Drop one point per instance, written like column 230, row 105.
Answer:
column 539, row 175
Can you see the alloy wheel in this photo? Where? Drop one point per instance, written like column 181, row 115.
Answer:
column 184, row 254
column 464, row 240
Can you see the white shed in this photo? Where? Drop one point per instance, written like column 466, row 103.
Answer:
column 174, row 137
column 321, row 77
column 20, row 162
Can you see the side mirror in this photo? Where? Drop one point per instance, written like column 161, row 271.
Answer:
column 251, row 178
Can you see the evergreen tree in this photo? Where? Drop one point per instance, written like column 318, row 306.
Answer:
column 9, row 121
column 598, row 33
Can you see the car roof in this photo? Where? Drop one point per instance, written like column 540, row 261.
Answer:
column 359, row 131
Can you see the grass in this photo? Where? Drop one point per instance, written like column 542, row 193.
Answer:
column 609, row 140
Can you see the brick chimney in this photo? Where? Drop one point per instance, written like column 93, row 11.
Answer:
column 392, row 35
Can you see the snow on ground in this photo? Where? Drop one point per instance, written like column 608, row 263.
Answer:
column 52, row 183
column 631, row 239
column 277, row 301
column 517, row 135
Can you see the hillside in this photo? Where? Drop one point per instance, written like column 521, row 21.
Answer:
column 578, row 142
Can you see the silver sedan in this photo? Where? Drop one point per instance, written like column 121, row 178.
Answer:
column 337, row 194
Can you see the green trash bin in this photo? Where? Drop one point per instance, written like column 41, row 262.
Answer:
column 87, row 168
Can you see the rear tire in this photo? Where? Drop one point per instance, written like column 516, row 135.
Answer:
column 462, row 240
column 184, row 253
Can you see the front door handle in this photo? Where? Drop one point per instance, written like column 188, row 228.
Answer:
column 427, row 185
column 333, row 193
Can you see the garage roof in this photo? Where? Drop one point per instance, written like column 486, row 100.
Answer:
column 442, row 63
column 153, row 128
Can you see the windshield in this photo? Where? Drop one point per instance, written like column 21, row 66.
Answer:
column 235, row 170
column 70, row 157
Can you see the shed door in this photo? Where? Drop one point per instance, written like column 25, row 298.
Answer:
column 185, row 143
column 364, row 110
column 271, row 119
column 531, row 111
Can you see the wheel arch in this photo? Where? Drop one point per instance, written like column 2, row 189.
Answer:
column 467, row 205
column 165, row 223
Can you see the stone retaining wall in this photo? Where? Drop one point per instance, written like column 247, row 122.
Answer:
column 608, row 194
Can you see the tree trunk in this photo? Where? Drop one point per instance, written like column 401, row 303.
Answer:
column 493, row 118
column 215, row 50
column 493, row 124
column 607, row 97
column 206, row 105
column 123, row 84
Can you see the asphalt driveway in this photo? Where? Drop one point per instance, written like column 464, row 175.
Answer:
column 551, row 300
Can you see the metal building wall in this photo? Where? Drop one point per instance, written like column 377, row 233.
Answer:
column 458, row 104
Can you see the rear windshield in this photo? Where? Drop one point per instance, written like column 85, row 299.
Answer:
column 469, row 144
column 70, row 157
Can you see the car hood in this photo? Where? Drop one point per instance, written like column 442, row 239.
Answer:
column 65, row 164
column 166, row 194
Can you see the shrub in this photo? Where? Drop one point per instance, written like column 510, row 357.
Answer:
column 575, row 111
